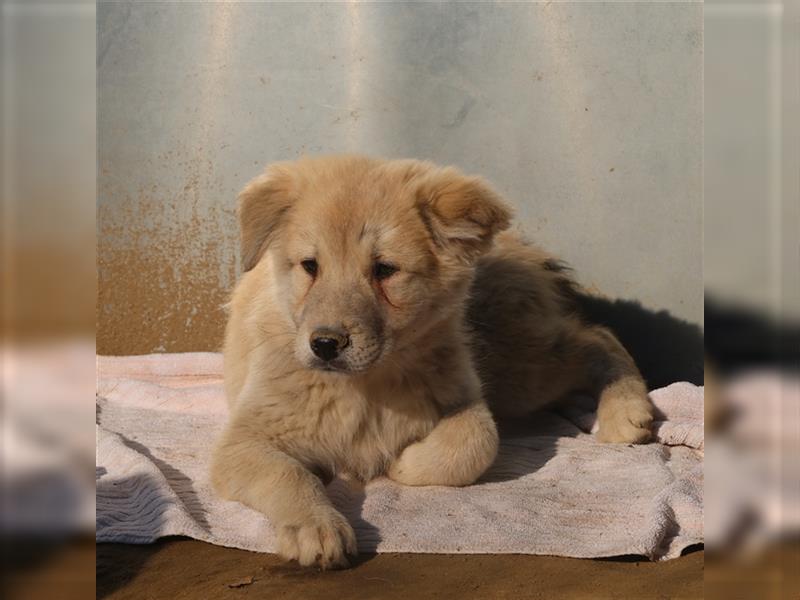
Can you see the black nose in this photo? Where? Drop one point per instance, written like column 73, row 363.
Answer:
column 328, row 344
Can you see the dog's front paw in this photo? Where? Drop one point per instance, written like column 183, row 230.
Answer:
column 458, row 450
column 627, row 421
column 410, row 467
column 324, row 539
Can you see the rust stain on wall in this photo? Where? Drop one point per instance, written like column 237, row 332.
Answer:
column 166, row 263
column 149, row 303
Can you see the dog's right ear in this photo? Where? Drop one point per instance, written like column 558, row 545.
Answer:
column 262, row 207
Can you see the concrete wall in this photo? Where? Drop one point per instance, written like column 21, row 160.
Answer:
column 587, row 116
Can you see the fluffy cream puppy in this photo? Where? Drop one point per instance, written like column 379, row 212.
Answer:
column 382, row 320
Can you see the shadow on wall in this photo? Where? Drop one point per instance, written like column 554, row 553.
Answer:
column 666, row 349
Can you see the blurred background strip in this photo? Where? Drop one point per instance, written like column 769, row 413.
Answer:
column 752, row 318
column 47, row 298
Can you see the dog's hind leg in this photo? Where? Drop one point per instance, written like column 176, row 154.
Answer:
column 624, row 411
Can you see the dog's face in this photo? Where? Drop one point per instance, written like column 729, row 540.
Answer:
column 367, row 255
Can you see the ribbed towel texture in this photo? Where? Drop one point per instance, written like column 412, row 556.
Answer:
column 553, row 489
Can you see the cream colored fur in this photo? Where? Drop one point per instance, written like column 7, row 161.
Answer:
column 468, row 323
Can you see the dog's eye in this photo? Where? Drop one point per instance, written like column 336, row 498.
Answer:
column 310, row 266
column 381, row 270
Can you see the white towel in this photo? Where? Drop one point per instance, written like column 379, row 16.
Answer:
column 553, row 490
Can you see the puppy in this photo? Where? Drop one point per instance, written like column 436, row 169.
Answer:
column 382, row 323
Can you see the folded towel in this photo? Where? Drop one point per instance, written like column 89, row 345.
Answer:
column 553, row 489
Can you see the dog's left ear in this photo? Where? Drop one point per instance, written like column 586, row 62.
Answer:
column 462, row 213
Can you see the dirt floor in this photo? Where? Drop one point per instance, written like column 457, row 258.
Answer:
column 180, row 568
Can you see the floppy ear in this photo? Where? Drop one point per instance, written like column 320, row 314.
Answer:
column 462, row 213
column 262, row 205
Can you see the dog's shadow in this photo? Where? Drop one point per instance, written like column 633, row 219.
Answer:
column 665, row 348
column 348, row 498
column 527, row 445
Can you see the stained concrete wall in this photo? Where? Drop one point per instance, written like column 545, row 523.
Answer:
column 586, row 116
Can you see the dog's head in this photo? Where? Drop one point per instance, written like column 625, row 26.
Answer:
column 367, row 255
